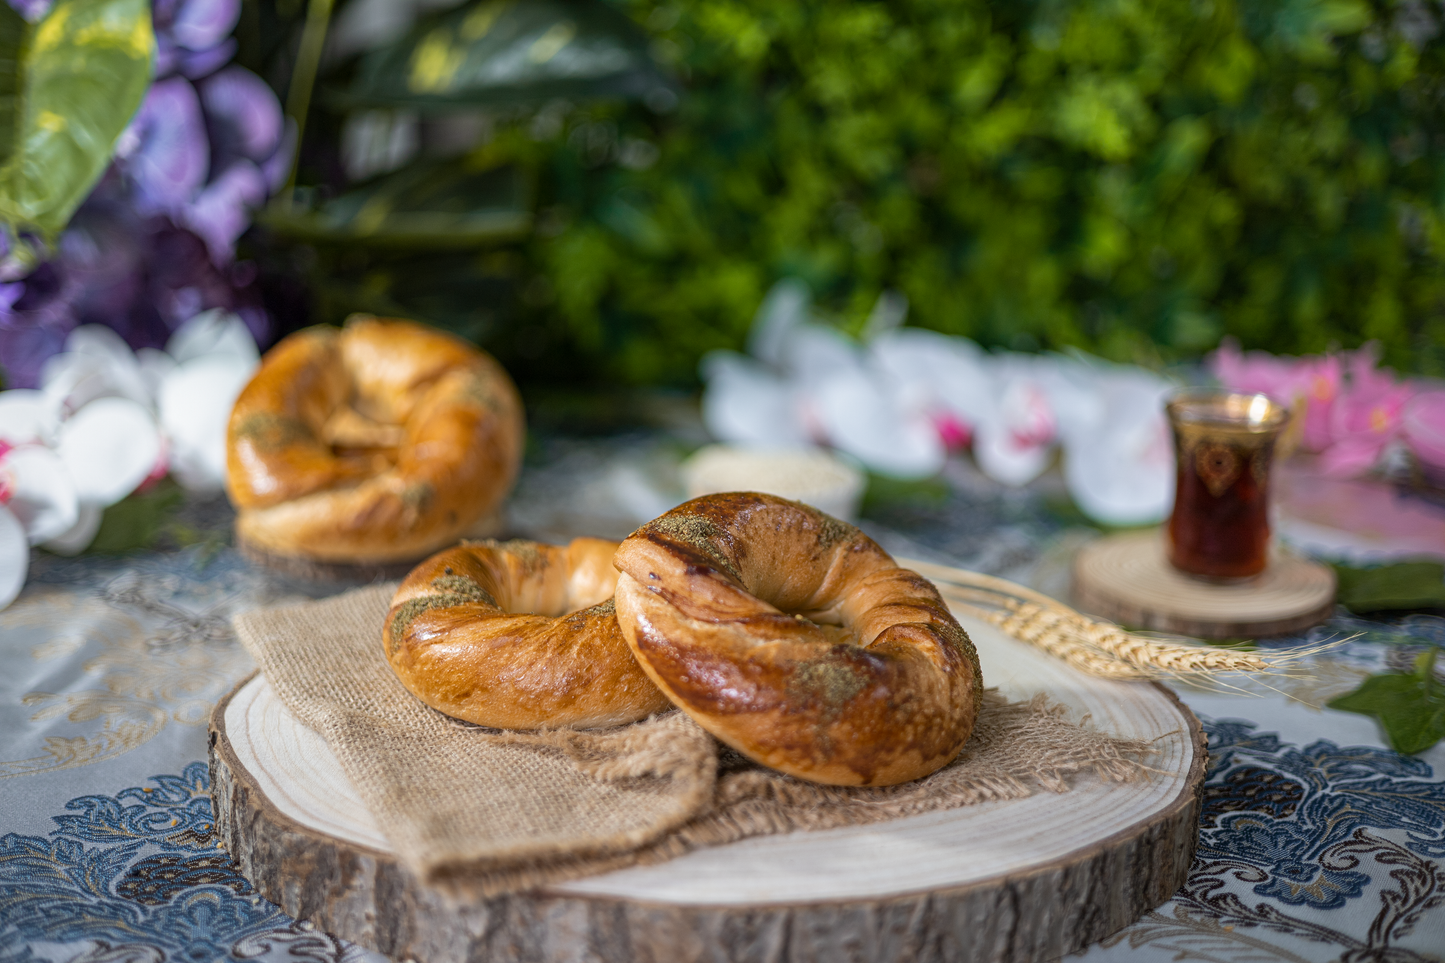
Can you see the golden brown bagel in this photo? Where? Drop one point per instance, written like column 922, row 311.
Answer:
column 795, row 639
column 480, row 632
column 378, row 442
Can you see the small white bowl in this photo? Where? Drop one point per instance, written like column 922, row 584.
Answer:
column 809, row 475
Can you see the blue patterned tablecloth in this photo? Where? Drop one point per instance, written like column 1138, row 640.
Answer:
column 1317, row 842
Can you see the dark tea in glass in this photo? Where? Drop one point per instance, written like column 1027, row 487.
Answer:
column 1223, row 444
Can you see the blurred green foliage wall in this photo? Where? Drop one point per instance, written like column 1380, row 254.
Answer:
column 1134, row 177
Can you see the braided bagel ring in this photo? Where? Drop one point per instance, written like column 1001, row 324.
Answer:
column 379, row 442
column 459, row 636
column 795, row 639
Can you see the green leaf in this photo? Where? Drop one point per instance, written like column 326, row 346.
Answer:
column 69, row 85
column 884, row 492
column 138, row 521
column 1410, row 708
column 1405, row 585
column 499, row 52
column 433, row 204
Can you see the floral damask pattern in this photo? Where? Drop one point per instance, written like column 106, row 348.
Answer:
column 139, row 877
column 147, row 663
column 1286, row 831
column 1310, row 850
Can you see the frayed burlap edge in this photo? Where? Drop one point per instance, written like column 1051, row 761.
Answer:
column 1017, row 749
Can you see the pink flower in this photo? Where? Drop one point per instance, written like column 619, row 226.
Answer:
column 1365, row 416
column 1258, row 371
column 1318, row 391
column 955, row 433
column 1311, row 382
column 7, row 487
column 1423, row 425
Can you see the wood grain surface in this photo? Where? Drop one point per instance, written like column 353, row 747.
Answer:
column 1127, row 579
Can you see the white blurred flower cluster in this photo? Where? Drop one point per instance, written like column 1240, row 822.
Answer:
column 105, row 421
column 900, row 399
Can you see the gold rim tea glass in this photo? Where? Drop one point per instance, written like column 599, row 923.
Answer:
column 1223, row 444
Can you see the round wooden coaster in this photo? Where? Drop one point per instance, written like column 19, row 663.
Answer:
column 1019, row 880
column 1128, row 579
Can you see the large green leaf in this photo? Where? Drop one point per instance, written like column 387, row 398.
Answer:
column 69, row 85
column 429, row 204
column 1403, row 585
column 497, row 52
column 1410, row 708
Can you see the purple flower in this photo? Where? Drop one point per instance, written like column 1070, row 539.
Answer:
column 35, row 325
column 31, row 10
column 199, row 24
column 228, row 123
column 153, row 244
column 192, row 36
column 164, row 152
column 222, row 211
column 204, row 62
column 243, row 115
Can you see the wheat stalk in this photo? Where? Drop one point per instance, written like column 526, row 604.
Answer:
column 1096, row 646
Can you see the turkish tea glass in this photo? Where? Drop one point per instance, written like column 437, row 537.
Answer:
column 1223, row 443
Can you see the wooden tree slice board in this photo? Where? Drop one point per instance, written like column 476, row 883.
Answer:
column 1128, row 579
column 1019, row 880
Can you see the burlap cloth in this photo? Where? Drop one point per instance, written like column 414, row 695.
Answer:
column 502, row 811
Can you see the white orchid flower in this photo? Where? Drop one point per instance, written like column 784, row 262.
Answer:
column 899, row 401
column 787, row 305
column 866, row 416
column 154, row 366
column 36, row 501
column 109, row 447
column 1015, row 444
column 96, row 363
column 813, row 353
column 104, row 421
column 195, row 403
column 26, row 417
column 1118, row 455
column 848, row 401
column 78, row 537
column 215, row 357
column 213, row 333
column 37, row 488
column 1125, row 477
column 748, row 404
column 944, row 376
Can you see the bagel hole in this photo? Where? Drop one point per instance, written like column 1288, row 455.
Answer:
column 348, row 428
column 367, row 461
column 828, row 616
column 830, row 626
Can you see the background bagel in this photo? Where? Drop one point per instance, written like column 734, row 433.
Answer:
column 378, row 442
column 482, row 632
column 795, row 639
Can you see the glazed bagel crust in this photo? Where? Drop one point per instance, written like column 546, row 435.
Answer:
column 482, row 632
column 378, row 442
column 795, row 639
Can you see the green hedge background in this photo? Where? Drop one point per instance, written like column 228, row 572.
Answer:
column 1137, row 178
